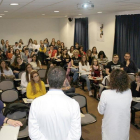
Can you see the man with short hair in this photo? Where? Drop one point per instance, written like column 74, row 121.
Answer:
column 114, row 64
column 55, row 116
column 129, row 65
column 16, row 46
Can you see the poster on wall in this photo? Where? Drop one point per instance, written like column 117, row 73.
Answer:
column 100, row 32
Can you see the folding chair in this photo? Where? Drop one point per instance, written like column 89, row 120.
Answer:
column 131, row 77
column 42, row 73
column 88, row 118
column 7, row 84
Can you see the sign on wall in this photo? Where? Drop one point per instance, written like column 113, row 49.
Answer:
column 100, row 32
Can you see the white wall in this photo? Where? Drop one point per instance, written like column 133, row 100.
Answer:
column 37, row 29
column 67, row 32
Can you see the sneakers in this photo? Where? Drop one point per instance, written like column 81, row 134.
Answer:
column 90, row 93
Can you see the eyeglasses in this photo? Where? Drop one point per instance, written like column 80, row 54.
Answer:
column 36, row 76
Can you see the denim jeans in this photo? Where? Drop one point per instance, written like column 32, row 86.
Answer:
column 75, row 76
column 87, row 81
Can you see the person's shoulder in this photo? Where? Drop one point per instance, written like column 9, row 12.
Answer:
column 42, row 83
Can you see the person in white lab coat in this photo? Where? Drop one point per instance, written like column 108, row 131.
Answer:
column 55, row 116
column 115, row 106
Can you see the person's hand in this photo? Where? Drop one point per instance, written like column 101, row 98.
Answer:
column 84, row 69
column 14, row 123
column 3, row 75
column 127, row 63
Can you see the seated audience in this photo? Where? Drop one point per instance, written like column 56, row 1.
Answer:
column 62, row 114
column 30, row 45
column 36, row 64
column 70, row 52
column 84, row 67
column 95, row 68
column 2, row 54
column 81, row 52
column 17, row 66
column 94, row 53
column 129, row 65
column 52, row 53
column 65, row 59
column 25, row 77
column 135, row 86
column 35, row 87
column 41, row 53
column 59, row 53
column 25, row 55
column 114, row 64
column 63, row 46
column 102, row 59
column 53, row 42
column 2, row 44
column 10, row 53
column 76, row 46
column 89, row 57
column 115, row 105
column 16, row 53
column 5, row 71
column 16, row 46
column 58, row 44
column 6, row 120
column 46, row 42
column 75, row 64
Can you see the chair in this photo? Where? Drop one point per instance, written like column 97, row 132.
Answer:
column 17, row 115
column 9, row 96
column 20, row 73
column 131, row 77
column 88, row 118
column 42, row 73
column 4, row 85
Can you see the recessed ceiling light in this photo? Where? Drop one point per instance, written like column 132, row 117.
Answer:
column 56, row 11
column 2, row 14
column 85, row 5
column 79, row 14
column 99, row 12
column 5, row 11
column 43, row 14
column 14, row 4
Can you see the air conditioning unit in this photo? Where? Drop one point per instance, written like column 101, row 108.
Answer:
column 87, row 5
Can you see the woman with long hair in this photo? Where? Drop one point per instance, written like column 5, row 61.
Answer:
column 5, row 71
column 46, row 42
column 35, row 87
column 18, row 65
column 70, row 52
column 59, row 53
column 94, row 52
column 20, row 41
column 36, row 64
column 81, row 52
column 2, row 44
column 84, row 68
column 89, row 56
column 65, row 59
column 62, row 45
column 25, row 77
column 16, row 53
column 115, row 105
column 10, row 53
column 102, row 59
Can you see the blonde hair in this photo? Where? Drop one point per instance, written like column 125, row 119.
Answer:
column 33, row 82
column 75, row 52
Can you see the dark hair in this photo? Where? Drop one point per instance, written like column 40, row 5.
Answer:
column 119, row 80
column 37, row 61
column 93, row 48
column 16, row 42
column 82, row 60
column 93, row 64
column 137, row 74
column 56, row 76
column 27, row 73
column 127, row 53
column 101, row 53
column 70, row 48
column 29, row 41
column 18, row 51
column 115, row 55
column 67, row 56
column 15, row 63
column 6, row 67
column 58, row 53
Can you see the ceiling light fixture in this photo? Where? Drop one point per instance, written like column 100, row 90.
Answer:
column 14, row 4
column 5, row 11
column 56, row 11
column 99, row 12
column 87, row 5
column 43, row 14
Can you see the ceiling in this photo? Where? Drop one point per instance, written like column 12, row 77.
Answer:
column 33, row 9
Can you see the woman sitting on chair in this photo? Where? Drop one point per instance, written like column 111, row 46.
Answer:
column 84, row 68
column 5, row 71
column 36, row 64
column 35, row 87
column 17, row 66
column 25, row 77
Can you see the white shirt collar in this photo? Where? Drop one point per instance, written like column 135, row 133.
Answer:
column 55, row 91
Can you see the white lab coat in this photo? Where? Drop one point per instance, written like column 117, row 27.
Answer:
column 54, row 116
column 116, row 109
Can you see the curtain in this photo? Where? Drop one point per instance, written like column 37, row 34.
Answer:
column 81, row 32
column 127, row 37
